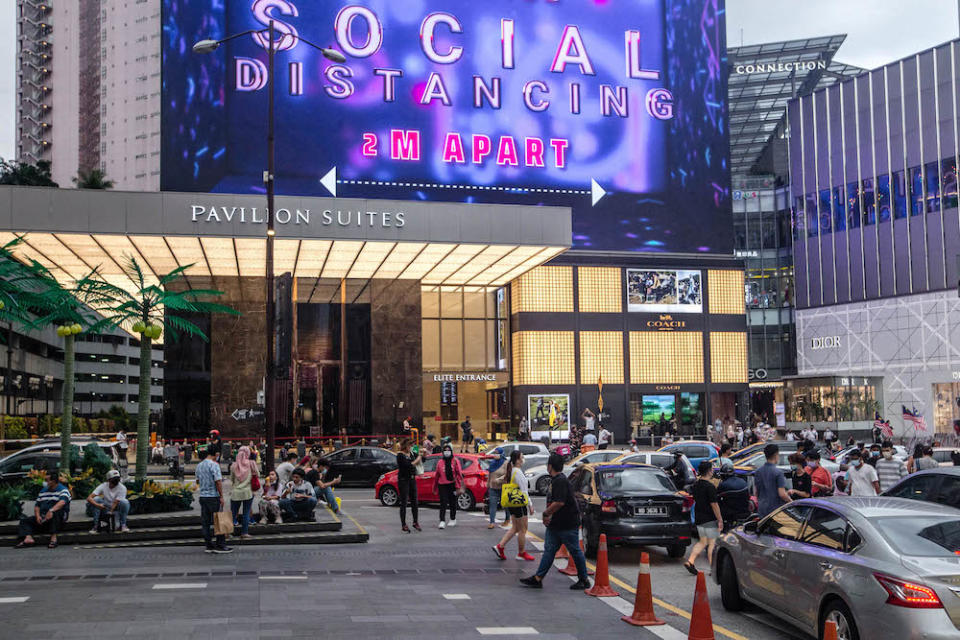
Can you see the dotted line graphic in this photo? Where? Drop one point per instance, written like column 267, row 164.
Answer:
column 436, row 185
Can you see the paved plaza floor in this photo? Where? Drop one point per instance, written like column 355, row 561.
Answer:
column 434, row 584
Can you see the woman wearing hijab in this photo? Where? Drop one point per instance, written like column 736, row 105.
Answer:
column 448, row 482
column 242, row 472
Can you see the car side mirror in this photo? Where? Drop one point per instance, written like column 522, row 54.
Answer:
column 751, row 527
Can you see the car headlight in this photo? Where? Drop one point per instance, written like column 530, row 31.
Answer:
column 530, row 474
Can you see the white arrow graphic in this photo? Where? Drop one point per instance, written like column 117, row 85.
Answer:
column 596, row 192
column 330, row 181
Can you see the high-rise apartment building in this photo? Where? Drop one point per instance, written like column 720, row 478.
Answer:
column 93, row 68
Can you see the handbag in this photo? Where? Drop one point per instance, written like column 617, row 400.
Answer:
column 254, row 482
column 222, row 523
column 511, row 496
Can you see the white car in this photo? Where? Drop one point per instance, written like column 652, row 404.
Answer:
column 534, row 453
column 539, row 479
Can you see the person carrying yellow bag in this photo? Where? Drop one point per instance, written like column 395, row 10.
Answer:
column 515, row 497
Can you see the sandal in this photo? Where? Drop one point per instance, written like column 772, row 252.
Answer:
column 24, row 545
column 53, row 545
column 689, row 567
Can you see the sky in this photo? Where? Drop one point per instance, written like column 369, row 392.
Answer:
column 878, row 31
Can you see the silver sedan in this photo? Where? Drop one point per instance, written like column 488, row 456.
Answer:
column 877, row 567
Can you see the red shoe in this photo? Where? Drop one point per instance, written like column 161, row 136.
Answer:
column 525, row 556
column 417, row 527
column 497, row 549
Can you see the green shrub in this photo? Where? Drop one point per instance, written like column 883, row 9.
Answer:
column 154, row 497
column 11, row 501
column 14, row 428
column 96, row 460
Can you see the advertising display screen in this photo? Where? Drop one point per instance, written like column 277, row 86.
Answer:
column 614, row 108
column 654, row 406
column 664, row 290
column 549, row 415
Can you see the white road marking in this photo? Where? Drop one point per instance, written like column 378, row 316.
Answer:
column 285, row 577
column 456, row 596
column 180, row 585
column 507, row 631
column 623, row 606
column 14, row 599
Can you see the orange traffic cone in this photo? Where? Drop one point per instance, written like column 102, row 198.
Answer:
column 601, row 587
column 643, row 615
column 701, row 623
column 562, row 553
column 829, row 630
column 571, row 568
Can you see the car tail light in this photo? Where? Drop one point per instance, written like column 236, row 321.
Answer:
column 687, row 503
column 908, row 594
column 608, row 506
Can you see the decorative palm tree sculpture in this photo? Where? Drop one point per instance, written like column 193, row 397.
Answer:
column 149, row 309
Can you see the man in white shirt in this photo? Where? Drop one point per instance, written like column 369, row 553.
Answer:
column 812, row 434
column 604, row 439
column 828, row 436
column 862, row 479
column 285, row 469
column 110, row 496
column 589, row 419
column 791, row 437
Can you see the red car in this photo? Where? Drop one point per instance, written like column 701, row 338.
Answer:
column 474, row 479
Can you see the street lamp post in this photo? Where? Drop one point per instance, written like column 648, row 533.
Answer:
column 209, row 46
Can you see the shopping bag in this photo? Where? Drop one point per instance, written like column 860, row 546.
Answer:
column 222, row 523
column 254, row 482
column 511, row 496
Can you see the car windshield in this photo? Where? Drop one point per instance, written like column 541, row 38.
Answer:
column 634, row 479
column 932, row 536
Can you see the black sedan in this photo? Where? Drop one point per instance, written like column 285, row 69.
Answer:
column 361, row 466
column 940, row 485
column 632, row 504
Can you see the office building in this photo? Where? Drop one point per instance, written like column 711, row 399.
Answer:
column 88, row 89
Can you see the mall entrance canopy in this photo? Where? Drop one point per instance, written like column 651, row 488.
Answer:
column 72, row 231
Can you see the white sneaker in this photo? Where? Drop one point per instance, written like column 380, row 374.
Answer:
column 124, row 529
column 442, row 525
column 453, row 523
column 94, row 530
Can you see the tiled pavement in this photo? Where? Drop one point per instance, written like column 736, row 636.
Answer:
column 392, row 587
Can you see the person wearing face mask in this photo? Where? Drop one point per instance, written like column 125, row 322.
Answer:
column 890, row 470
column 861, row 478
column 802, row 485
column 821, row 483
column 874, row 455
column 448, row 483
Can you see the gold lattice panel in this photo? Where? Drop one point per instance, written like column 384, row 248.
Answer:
column 728, row 357
column 544, row 289
column 726, row 292
column 601, row 354
column 666, row 357
column 600, row 290
column 543, row 357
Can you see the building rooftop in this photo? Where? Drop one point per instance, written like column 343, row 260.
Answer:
column 763, row 79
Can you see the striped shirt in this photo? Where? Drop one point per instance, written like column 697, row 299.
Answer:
column 889, row 472
column 47, row 498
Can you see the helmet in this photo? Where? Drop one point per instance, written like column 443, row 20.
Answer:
column 214, row 432
column 726, row 470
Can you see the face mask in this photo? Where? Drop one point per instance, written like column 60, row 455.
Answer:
column 812, row 464
column 795, row 467
column 857, row 463
column 447, row 454
column 874, row 453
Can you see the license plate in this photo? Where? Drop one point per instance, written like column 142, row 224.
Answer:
column 650, row 511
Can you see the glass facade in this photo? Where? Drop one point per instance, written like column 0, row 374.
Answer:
column 832, row 399
column 763, row 240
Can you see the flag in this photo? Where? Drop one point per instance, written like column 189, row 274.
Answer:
column 885, row 429
column 919, row 423
column 599, row 394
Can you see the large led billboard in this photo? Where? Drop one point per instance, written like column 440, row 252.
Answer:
column 615, row 108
